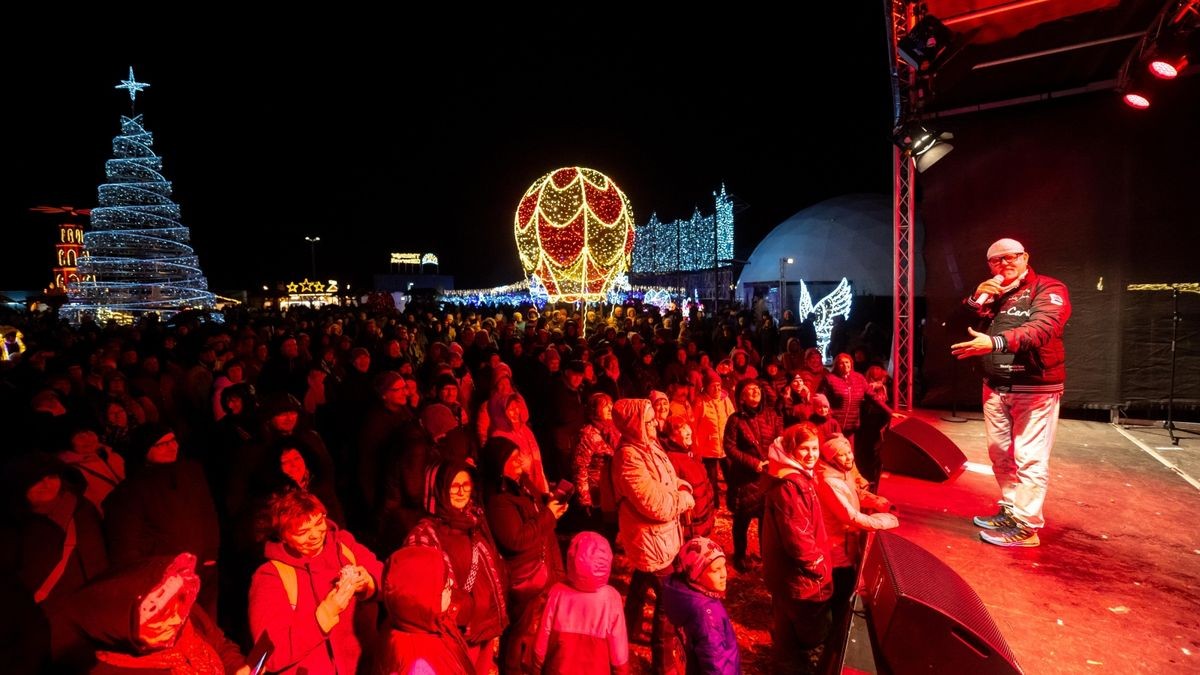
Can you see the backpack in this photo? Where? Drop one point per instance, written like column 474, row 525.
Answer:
column 287, row 574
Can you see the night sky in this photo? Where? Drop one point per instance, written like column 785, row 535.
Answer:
column 422, row 136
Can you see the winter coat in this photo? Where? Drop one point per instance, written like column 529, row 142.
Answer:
column 593, row 466
column 165, row 509
column 103, row 471
column 479, row 573
column 847, row 395
column 748, row 434
column 711, row 643
column 420, row 638
column 381, row 435
column 709, row 419
column 845, row 520
column 36, row 540
column 95, row 630
column 699, row 521
column 300, row 642
column 524, row 533
column 582, row 629
column 650, row 495
column 1027, row 329
column 795, row 547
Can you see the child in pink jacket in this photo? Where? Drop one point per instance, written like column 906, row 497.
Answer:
column 582, row 629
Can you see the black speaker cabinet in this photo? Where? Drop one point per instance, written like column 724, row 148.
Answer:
column 924, row 618
column 914, row 448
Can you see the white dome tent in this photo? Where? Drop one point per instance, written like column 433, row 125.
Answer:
column 848, row 236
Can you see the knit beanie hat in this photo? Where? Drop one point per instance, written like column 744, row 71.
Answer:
column 833, row 446
column 438, row 420
column 696, row 555
column 819, row 399
column 493, row 456
column 145, row 436
column 278, row 403
column 385, row 381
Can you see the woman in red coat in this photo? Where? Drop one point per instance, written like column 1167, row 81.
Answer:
column 306, row 593
column 422, row 637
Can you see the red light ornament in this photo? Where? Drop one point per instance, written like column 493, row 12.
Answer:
column 574, row 229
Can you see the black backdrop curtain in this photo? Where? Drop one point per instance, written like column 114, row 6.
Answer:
column 1103, row 197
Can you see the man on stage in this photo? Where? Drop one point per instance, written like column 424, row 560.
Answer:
column 1023, row 362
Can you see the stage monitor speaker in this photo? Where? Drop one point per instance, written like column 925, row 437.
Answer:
column 914, row 448
column 924, row 618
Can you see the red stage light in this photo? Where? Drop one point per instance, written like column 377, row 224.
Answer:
column 1136, row 100
column 1165, row 69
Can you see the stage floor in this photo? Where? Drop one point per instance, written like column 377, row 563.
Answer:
column 1115, row 585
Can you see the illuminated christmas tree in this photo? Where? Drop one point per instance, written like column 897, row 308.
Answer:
column 136, row 256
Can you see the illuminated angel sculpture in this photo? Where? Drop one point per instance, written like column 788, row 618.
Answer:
column 835, row 304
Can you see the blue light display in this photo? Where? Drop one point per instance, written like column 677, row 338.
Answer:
column 698, row 243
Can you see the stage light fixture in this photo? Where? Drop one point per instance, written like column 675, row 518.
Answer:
column 1167, row 57
column 1162, row 54
column 924, row 145
column 925, row 44
column 1138, row 89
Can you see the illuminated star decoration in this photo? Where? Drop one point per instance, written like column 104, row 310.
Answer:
column 835, row 304
column 293, row 287
column 132, row 85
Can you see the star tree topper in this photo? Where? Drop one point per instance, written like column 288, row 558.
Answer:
column 132, row 85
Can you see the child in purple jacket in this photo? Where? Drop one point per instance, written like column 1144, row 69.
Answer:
column 692, row 601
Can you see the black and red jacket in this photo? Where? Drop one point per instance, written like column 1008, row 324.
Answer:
column 1026, row 328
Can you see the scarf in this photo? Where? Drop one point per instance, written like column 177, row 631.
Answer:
column 190, row 655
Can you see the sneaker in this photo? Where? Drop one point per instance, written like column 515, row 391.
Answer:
column 1001, row 521
column 1017, row 535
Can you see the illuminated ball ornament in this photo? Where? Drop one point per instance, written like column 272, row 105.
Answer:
column 574, row 230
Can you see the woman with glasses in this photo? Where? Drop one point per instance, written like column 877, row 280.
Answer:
column 457, row 527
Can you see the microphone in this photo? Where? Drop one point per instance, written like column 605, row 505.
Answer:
column 984, row 297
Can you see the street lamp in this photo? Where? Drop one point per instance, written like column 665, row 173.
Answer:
column 783, row 263
column 312, row 242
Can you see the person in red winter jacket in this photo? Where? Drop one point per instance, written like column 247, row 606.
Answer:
column 422, row 637
column 306, row 594
column 796, row 559
column 582, row 629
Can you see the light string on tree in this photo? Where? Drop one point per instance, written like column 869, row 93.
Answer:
column 137, row 258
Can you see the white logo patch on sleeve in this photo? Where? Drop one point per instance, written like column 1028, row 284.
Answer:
column 1056, row 299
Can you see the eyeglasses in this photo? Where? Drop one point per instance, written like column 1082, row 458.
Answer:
column 460, row 487
column 996, row 260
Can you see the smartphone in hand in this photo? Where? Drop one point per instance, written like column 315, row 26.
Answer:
column 563, row 490
column 262, row 650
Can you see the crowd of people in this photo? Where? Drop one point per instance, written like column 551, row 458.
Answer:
column 350, row 490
